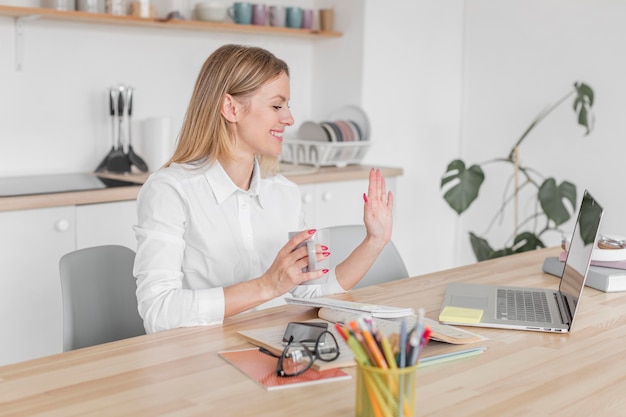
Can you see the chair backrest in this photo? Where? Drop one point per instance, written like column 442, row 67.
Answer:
column 99, row 301
column 388, row 267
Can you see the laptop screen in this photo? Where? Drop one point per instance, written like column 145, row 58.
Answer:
column 579, row 254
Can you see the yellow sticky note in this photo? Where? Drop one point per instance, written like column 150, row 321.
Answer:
column 460, row 315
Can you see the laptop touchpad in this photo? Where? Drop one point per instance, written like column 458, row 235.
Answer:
column 468, row 301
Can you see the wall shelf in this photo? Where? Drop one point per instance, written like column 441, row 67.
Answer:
column 107, row 19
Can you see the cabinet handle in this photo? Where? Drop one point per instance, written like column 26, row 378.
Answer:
column 307, row 198
column 327, row 196
column 62, row 225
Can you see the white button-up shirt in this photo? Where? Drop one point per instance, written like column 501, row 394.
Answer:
column 198, row 233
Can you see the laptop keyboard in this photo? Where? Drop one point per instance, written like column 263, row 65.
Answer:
column 523, row 305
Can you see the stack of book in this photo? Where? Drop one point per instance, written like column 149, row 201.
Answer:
column 603, row 275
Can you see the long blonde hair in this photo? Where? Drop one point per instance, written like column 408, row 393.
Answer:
column 231, row 69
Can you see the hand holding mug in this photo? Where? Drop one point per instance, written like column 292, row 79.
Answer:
column 316, row 252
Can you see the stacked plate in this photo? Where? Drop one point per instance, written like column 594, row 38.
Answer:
column 348, row 124
column 340, row 141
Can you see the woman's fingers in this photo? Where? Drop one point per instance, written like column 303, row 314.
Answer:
column 377, row 187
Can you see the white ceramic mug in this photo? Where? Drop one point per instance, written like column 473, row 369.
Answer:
column 90, row 6
column 278, row 15
column 213, row 11
column 320, row 237
column 59, row 4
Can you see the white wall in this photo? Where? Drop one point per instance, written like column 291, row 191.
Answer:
column 54, row 114
column 430, row 77
column 522, row 56
column 464, row 79
column 412, row 92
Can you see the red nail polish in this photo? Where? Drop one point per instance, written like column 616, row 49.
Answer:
column 312, row 231
column 364, row 197
column 324, row 247
column 325, row 271
column 326, row 254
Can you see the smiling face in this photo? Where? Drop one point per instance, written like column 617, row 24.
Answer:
column 261, row 119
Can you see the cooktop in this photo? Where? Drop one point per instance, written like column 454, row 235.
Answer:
column 56, row 183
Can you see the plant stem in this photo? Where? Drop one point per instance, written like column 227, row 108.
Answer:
column 522, row 169
column 542, row 115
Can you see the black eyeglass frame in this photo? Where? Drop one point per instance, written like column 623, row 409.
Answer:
column 313, row 353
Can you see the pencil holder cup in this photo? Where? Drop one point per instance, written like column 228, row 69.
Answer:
column 385, row 392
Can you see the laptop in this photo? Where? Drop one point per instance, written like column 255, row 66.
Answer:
column 537, row 309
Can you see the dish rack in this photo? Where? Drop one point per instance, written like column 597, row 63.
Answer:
column 321, row 154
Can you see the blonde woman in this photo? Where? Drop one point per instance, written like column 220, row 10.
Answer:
column 213, row 223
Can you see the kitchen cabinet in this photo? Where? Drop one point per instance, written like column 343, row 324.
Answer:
column 335, row 203
column 106, row 224
column 31, row 245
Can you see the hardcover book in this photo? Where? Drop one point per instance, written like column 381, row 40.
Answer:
column 599, row 277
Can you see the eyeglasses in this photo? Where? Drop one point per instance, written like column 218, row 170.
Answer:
column 297, row 358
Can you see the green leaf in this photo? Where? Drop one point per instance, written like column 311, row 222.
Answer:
column 582, row 105
column 481, row 248
column 551, row 197
column 527, row 241
column 461, row 195
column 502, row 252
column 584, row 93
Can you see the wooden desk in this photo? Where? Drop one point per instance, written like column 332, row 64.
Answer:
column 178, row 373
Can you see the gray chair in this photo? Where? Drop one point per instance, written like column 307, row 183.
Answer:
column 388, row 267
column 99, row 302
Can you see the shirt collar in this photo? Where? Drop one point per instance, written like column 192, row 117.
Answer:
column 223, row 187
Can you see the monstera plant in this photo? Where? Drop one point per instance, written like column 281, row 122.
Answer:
column 461, row 186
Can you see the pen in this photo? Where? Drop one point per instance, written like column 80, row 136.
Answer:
column 370, row 325
column 386, row 347
column 377, row 355
column 360, row 355
column 419, row 327
column 416, row 338
column 414, row 342
column 402, row 361
column 425, row 339
column 342, row 332
column 356, row 332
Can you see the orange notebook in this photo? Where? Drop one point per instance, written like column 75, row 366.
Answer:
column 262, row 369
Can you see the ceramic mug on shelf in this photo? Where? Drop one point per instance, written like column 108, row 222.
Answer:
column 259, row 14
column 241, row 12
column 90, row 6
column 327, row 19
column 294, row 17
column 307, row 19
column 212, row 11
column 278, row 15
column 64, row 5
column 116, row 7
